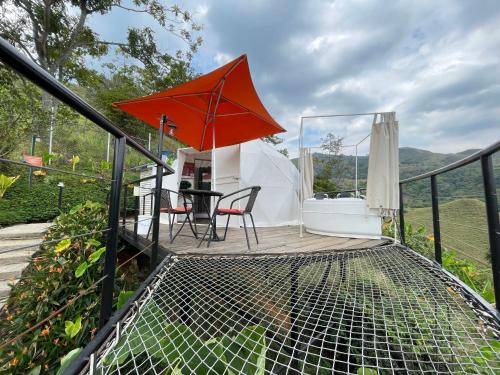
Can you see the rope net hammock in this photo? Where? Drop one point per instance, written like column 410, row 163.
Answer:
column 383, row 310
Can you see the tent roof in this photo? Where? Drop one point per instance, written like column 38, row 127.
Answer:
column 225, row 97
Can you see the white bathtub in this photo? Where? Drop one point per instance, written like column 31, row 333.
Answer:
column 342, row 217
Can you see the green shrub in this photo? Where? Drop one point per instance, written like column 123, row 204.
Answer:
column 59, row 273
column 22, row 204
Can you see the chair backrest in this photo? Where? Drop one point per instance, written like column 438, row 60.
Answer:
column 166, row 199
column 251, row 199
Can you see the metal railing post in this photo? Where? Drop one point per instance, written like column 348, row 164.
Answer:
column 137, row 204
column 157, row 198
column 125, row 188
column 435, row 221
column 490, row 195
column 156, row 217
column 401, row 215
column 112, row 236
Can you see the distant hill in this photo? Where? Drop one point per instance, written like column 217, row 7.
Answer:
column 466, row 181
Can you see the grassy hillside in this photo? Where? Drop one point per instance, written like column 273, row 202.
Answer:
column 463, row 227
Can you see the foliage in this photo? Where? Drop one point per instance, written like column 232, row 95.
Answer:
column 19, row 110
column 478, row 278
column 49, row 283
column 75, row 159
column 322, row 185
column 57, row 36
column 22, row 204
column 275, row 141
column 6, row 182
column 179, row 348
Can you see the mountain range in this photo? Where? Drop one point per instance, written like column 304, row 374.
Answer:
column 465, row 181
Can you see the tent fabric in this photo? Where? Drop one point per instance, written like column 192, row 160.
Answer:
column 248, row 164
column 382, row 190
column 308, row 173
column 224, row 98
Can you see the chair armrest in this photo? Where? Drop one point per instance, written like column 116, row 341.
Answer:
column 237, row 199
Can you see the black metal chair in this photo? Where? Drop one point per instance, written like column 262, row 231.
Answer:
column 253, row 191
column 167, row 206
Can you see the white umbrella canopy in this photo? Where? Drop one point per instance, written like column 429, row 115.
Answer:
column 382, row 191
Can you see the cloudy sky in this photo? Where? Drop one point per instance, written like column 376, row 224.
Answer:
column 436, row 63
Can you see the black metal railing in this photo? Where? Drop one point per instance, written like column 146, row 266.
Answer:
column 485, row 157
column 28, row 69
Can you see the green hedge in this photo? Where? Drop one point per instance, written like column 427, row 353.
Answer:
column 22, row 204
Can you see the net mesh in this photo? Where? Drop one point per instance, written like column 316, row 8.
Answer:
column 380, row 310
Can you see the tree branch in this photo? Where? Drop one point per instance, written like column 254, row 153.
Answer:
column 72, row 39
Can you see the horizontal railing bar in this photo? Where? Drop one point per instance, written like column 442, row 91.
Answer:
column 144, row 179
column 459, row 163
column 27, row 68
column 23, row 164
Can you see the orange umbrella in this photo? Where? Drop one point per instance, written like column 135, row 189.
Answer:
column 217, row 109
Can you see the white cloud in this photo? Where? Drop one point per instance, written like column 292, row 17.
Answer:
column 222, row 58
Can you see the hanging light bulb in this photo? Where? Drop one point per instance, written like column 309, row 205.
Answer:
column 171, row 129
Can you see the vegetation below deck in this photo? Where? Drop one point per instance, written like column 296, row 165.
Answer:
column 61, row 288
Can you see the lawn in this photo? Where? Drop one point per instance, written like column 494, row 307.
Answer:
column 463, row 227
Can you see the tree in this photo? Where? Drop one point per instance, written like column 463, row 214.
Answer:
column 55, row 34
column 275, row 140
column 19, row 110
column 332, row 165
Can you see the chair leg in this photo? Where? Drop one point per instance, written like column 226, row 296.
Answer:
column 170, row 222
column 246, row 232
column 254, row 230
column 191, row 225
column 212, row 222
column 205, row 234
column 182, row 226
column 227, row 225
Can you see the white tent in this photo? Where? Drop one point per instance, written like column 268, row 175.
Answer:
column 244, row 165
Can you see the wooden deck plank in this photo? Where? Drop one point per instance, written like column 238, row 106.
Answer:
column 272, row 240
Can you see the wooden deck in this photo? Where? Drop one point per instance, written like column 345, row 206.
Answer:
column 272, row 240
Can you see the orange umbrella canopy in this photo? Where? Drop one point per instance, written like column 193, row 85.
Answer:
column 222, row 104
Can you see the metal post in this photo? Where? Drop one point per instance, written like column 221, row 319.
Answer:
column 149, row 141
column 60, row 185
column 435, row 220
column 301, row 177
column 125, row 188
column 137, row 200
column 51, row 126
column 157, row 198
column 490, row 195
column 356, row 175
column 33, row 141
column 401, row 215
column 112, row 237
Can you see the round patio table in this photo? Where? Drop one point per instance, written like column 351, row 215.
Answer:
column 205, row 207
